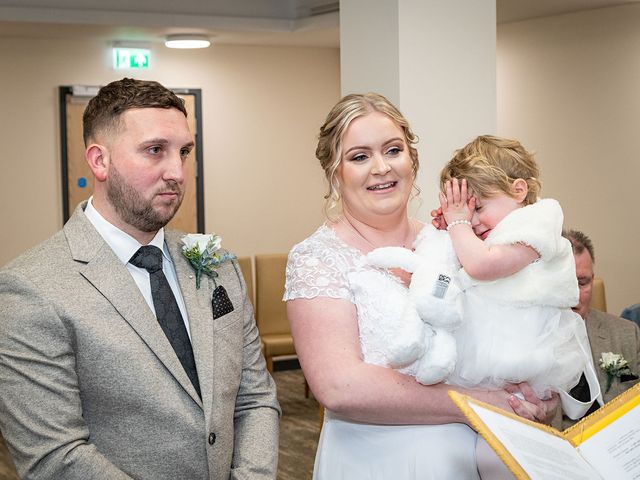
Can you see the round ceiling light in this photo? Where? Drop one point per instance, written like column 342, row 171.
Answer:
column 187, row 41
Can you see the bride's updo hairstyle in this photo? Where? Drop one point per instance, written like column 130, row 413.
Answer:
column 329, row 149
column 491, row 164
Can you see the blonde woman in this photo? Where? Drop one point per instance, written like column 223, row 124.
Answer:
column 379, row 423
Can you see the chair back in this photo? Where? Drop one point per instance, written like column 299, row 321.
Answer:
column 246, row 265
column 598, row 299
column 271, row 312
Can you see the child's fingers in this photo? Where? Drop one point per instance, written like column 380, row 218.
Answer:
column 443, row 204
column 436, row 212
column 448, row 191
column 463, row 190
column 472, row 204
column 456, row 192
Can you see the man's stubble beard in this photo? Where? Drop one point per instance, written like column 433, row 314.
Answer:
column 133, row 209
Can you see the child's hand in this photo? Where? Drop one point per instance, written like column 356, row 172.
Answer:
column 437, row 219
column 454, row 201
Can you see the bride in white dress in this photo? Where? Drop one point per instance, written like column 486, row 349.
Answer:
column 379, row 422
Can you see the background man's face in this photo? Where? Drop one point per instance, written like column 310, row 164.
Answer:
column 584, row 272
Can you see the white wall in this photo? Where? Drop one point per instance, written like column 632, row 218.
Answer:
column 262, row 107
column 448, row 87
column 568, row 88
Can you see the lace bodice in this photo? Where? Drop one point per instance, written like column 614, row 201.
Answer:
column 324, row 265
column 319, row 265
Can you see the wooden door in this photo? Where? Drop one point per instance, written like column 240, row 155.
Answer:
column 77, row 180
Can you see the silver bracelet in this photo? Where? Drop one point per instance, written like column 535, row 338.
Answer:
column 458, row 222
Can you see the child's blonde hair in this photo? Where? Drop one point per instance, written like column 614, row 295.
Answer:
column 491, row 164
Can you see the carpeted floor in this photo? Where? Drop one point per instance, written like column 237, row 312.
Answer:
column 299, row 426
column 299, row 430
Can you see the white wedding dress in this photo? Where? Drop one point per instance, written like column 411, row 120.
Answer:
column 324, row 265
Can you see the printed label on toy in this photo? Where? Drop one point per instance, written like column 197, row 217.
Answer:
column 441, row 286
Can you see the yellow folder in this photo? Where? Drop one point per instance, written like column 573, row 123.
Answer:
column 604, row 445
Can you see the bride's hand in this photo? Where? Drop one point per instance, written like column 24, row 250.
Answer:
column 532, row 407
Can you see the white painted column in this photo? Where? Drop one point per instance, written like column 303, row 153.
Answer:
column 434, row 59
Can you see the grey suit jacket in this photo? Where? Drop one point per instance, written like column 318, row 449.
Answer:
column 608, row 333
column 91, row 387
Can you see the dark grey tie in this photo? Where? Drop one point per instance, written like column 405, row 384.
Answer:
column 167, row 311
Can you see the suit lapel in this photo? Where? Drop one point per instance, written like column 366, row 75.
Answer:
column 104, row 270
column 198, row 304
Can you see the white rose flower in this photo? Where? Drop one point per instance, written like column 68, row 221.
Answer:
column 202, row 253
column 201, row 241
column 614, row 365
column 609, row 358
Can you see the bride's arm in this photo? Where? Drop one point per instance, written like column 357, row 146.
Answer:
column 325, row 333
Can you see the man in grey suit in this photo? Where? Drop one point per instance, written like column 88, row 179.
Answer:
column 91, row 386
column 606, row 332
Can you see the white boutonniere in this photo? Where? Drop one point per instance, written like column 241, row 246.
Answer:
column 203, row 254
column 615, row 366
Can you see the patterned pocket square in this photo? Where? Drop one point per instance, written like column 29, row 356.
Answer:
column 220, row 302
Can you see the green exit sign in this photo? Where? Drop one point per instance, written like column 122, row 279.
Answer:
column 131, row 58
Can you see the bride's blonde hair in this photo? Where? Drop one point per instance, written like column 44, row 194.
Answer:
column 329, row 149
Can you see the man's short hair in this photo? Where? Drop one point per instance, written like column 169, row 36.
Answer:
column 104, row 110
column 579, row 242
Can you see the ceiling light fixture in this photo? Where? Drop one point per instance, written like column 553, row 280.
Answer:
column 187, row 41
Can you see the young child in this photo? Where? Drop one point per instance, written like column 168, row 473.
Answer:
column 518, row 273
column 518, row 280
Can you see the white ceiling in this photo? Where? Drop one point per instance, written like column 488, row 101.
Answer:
column 256, row 22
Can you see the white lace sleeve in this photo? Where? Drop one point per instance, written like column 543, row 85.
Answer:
column 317, row 268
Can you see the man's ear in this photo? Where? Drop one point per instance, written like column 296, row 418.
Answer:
column 520, row 189
column 97, row 157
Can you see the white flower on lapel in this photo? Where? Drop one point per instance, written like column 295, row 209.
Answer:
column 614, row 365
column 203, row 254
column 202, row 241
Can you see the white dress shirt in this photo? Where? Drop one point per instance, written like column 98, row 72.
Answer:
column 125, row 246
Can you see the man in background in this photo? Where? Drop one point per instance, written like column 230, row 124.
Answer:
column 113, row 362
column 606, row 332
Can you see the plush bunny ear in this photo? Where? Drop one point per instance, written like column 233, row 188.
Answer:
column 428, row 232
column 435, row 245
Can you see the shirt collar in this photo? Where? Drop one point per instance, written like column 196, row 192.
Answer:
column 122, row 244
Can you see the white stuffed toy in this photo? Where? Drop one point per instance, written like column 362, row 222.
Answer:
column 434, row 306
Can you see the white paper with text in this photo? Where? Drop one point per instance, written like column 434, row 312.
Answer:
column 541, row 455
column 616, row 449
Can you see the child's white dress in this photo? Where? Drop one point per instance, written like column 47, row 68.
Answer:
column 521, row 327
